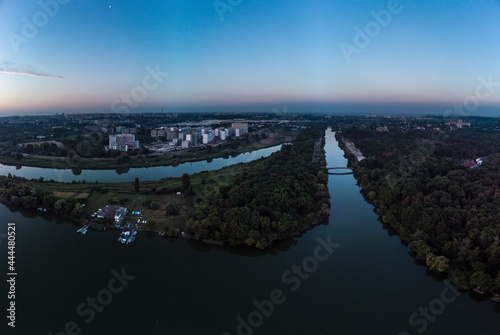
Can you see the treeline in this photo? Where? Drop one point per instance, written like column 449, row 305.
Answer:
column 448, row 214
column 14, row 191
column 274, row 199
column 469, row 143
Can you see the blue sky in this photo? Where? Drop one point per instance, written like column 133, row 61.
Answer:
column 91, row 53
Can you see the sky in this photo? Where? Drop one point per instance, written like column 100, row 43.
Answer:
column 135, row 56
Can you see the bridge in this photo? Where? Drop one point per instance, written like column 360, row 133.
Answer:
column 339, row 168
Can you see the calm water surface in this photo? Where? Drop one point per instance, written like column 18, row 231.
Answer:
column 369, row 284
column 129, row 174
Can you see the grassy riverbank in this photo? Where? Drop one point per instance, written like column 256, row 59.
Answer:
column 224, row 149
column 33, row 194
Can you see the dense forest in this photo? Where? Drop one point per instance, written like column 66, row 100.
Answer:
column 275, row 199
column 448, row 214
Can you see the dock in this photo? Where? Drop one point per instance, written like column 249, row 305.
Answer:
column 127, row 237
column 83, row 230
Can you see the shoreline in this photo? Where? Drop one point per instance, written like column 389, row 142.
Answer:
column 352, row 161
column 110, row 163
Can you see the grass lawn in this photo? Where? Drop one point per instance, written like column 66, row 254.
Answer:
column 96, row 196
column 76, row 195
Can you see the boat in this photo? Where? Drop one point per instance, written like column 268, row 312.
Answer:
column 83, row 230
column 124, row 237
column 127, row 237
column 479, row 290
column 132, row 237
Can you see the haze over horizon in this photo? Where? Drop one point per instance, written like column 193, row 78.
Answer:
column 128, row 56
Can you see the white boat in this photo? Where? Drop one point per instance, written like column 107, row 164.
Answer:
column 83, row 230
column 124, row 237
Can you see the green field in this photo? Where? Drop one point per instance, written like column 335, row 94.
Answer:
column 96, row 196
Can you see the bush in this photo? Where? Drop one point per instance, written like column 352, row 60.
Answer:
column 123, row 158
column 154, row 205
column 48, row 200
column 171, row 210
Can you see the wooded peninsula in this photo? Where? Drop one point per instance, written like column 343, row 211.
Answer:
column 256, row 203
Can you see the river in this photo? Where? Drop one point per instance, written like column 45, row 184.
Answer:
column 129, row 174
column 355, row 278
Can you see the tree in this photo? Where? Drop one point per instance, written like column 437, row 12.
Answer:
column 322, row 177
column 186, row 182
column 48, row 200
column 60, row 206
column 137, row 185
column 77, row 211
column 123, row 158
column 154, row 205
column 437, row 263
column 28, row 202
column 171, row 210
column 478, row 278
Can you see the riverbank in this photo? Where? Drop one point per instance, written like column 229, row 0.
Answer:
column 172, row 158
column 352, row 149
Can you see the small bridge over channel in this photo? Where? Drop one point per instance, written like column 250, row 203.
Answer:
column 339, row 168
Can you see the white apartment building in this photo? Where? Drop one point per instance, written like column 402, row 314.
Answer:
column 123, row 142
column 208, row 137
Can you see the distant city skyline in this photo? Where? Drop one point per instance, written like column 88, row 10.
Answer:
column 124, row 56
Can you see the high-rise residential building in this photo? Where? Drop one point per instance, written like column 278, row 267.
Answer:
column 123, row 142
column 128, row 130
column 208, row 137
column 243, row 126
